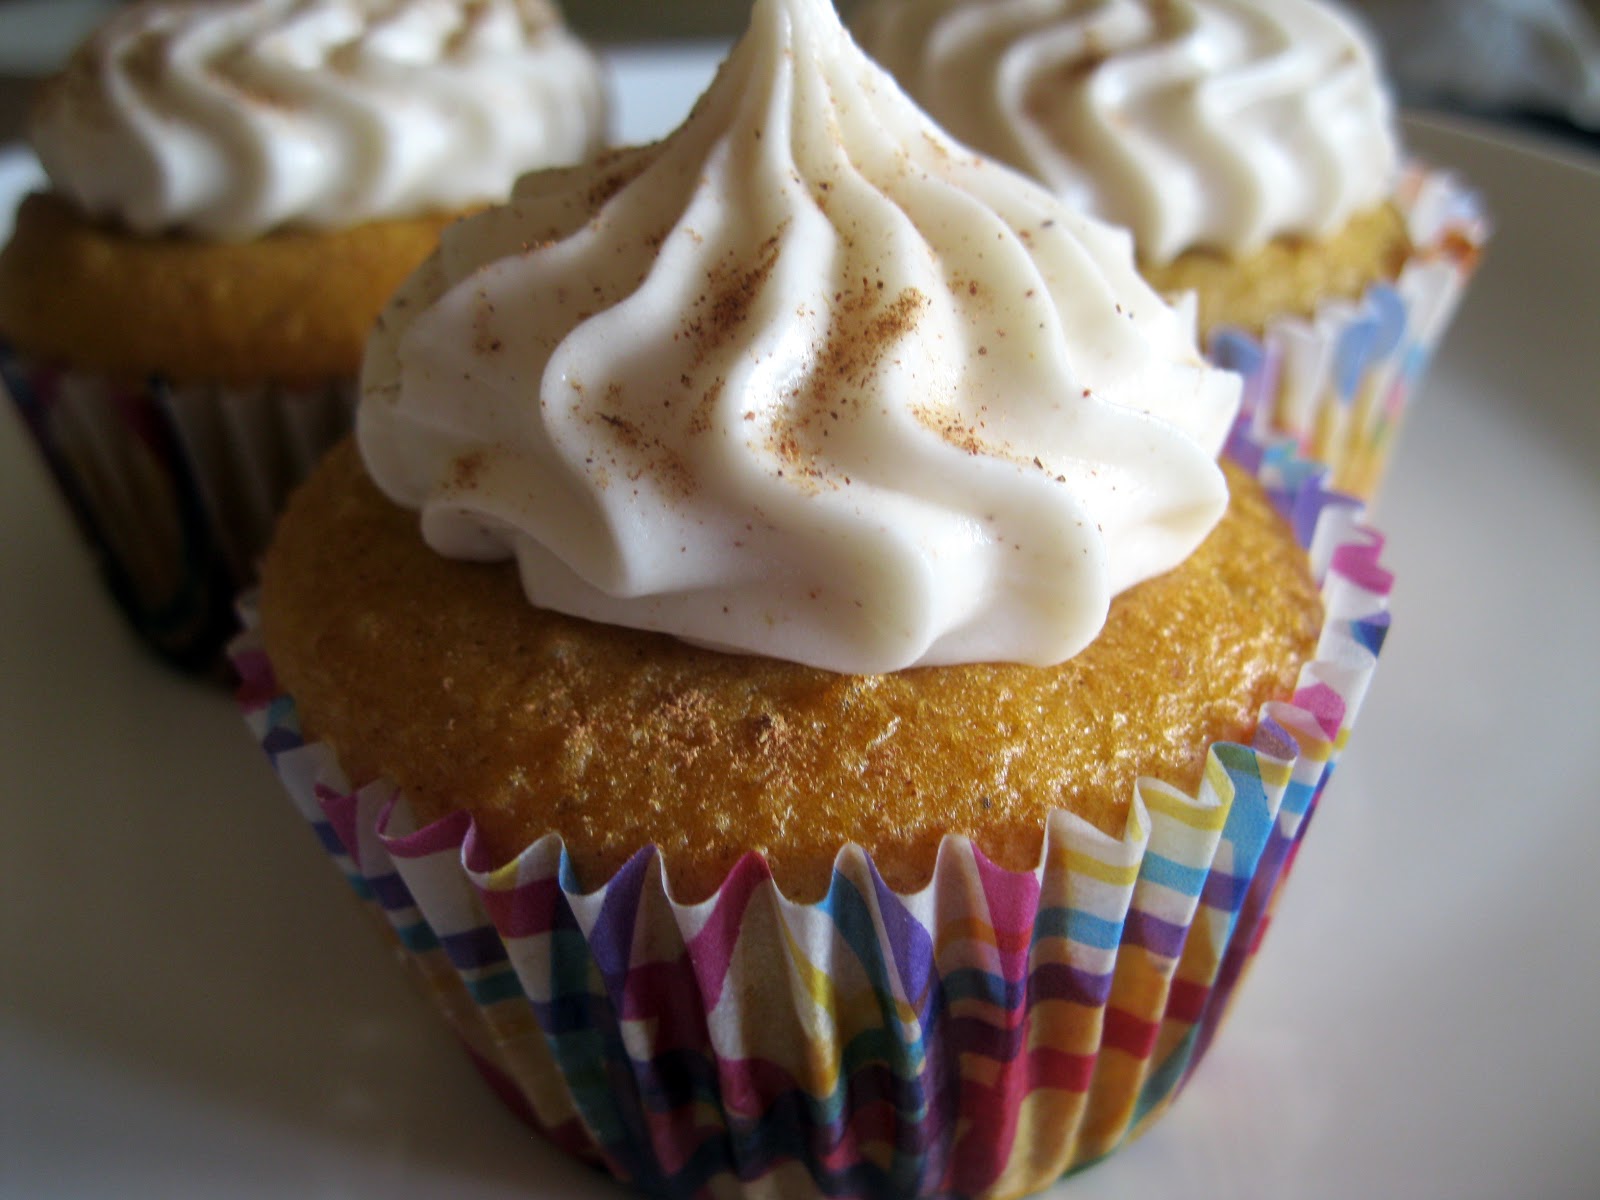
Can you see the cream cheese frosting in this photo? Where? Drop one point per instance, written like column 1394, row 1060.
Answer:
column 806, row 379
column 1218, row 124
column 230, row 118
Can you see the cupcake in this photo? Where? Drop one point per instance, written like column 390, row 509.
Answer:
column 1250, row 149
column 785, row 658
column 234, row 190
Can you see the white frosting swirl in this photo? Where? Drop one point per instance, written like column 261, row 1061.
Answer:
column 1219, row 124
column 807, row 379
column 231, row 118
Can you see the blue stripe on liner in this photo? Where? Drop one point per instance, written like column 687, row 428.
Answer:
column 1296, row 799
column 491, row 989
column 1077, row 926
column 1174, row 875
column 419, row 937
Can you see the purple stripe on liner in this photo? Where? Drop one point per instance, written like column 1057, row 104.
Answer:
column 1154, row 934
column 1309, row 502
column 280, row 740
column 1057, row 981
column 1244, row 447
column 391, row 891
column 1050, row 981
column 970, row 1035
column 474, row 948
column 611, row 939
column 910, row 938
column 328, row 838
column 1274, row 741
column 1224, row 893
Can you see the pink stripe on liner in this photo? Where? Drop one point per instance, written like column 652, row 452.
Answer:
column 257, row 686
column 1325, row 706
column 1128, row 1033
column 667, row 994
column 341, row 809
column 1358, row 562
column 444, row 836
column 525, row 910
column 1186, row 1001
column 711, row 950
column 1061, row 1071
column 749, row 1084
column 1013, row 903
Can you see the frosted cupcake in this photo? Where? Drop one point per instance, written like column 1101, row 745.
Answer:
column 787, row 660
column 1250, row 148
column 234, row 190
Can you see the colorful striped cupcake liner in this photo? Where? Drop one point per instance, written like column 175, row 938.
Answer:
column 175, row 488
column 980, row 1037
column 1339, row 383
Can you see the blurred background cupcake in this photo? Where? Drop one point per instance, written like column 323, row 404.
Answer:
column 1250, row 149
column 234, row 188
column 785, row 659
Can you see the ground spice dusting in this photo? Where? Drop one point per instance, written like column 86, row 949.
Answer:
column 863, row 332
column 613, row 181
column 651, row 455
column 484, row 339
column 951, row 429
column 466, row 470
column 700, row 420
column 722, row 309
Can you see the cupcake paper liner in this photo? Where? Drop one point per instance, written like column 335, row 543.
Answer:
column 175, row 487
column 1339, row 383
column 980, row 1037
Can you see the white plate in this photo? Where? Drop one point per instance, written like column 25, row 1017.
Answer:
column 190, row 1005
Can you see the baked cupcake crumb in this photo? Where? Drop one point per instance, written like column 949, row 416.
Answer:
column 439, row 675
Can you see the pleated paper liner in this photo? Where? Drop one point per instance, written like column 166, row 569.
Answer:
column 175, row 488
column 980, row 1037
column 1339, row 383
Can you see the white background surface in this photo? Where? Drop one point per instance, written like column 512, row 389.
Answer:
column 191, row 1005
